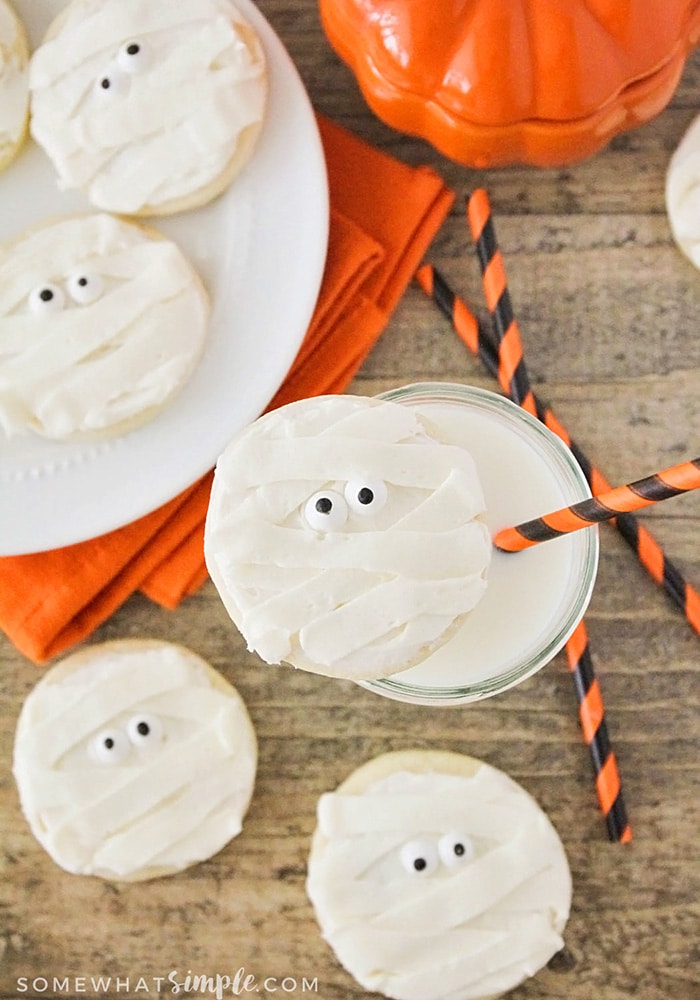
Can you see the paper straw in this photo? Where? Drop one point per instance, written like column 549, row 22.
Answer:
column 590, row 705
column 512, row 373
column 649, row 552
column 671, row 482
column 595, row 733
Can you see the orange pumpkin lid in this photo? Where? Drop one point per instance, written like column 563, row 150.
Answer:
column 494, row 81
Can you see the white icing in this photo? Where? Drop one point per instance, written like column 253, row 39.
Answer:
column 123, row 350
column 14, row 84
column 166, row 801
column 170, row 124
column 683, row 193
column 461, row 931
column 377, row 588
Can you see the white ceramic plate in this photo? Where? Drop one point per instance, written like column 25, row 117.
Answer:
column 260, row 249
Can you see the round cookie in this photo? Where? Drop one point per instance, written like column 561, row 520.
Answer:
column 683, row 193
column 14, row 84
column 435, row 876
column 148, row 108
column 101, row 323
column 344, row 537
column 134, row 759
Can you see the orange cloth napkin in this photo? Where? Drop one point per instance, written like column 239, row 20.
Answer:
column 384, row 214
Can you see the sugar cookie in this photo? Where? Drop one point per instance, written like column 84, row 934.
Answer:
column 134, row 759
column 683, row 193
column 14, row 84
column 101, row 323
column 344, row 537
column 148, row 108
column 435, row 876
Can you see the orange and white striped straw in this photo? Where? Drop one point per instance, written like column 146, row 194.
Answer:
column 512, row 372
column 671, row 482
column 594, row 727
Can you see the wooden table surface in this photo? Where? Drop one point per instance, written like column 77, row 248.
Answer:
column 608, row 309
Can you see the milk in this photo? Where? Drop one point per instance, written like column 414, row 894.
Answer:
column 534, row 598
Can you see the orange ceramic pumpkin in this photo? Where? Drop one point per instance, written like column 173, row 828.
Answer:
column 490, row 82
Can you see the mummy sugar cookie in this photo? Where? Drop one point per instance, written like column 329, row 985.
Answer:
column 148, row 108
column 344, row 537
column 683, row 193
column 14, row 85
column 101, row 323
column 134, row 759
column 435, row 876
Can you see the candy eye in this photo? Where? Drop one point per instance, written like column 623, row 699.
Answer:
column 111, row 84
column 84, row 287
column 419, row 857
column 145, row 730
column 110, row 746
column 326, row 511
column 133, row 57
column 454, row 849
column 46, row 299
column 366, row 496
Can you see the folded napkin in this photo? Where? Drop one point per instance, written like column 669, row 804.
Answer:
column 384, row 214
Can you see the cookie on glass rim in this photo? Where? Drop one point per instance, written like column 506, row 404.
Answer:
column 345, row 537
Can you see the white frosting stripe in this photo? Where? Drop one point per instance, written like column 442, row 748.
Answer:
column 95, row 703
column 470, row 892
column 96, row 32
column 518, row 960
column 368, row 419
column 143, row 840
column 144, row 177
column 76, row 334
column 385, row 949
column 338, row 913
column 325, row 459
column 92, row 382
column 289, row 609
column 206, row 838
column 138, row 791
column 492, row 961
column 418, row 555
column 120, row 127
column 428, row 630
column 376, row 611
column 352, row 601
column 346, row 815
column 473, row 889
column 354, row 855
column 200, row 703
column 447, row 506
column 360, row 421
column 88, row 241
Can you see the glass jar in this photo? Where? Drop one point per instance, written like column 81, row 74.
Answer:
column 534, row 599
